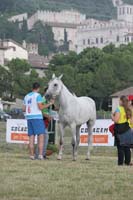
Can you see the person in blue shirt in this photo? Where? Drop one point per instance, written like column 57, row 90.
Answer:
column 33, row 105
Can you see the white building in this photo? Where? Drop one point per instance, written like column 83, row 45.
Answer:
column 115, row 97
column 95, row 33
column 18, row 18
column 10, row 49
column 32, row 48
column 63, row 17
column 60, row 22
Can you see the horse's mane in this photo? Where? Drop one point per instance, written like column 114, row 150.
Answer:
column 73, row 93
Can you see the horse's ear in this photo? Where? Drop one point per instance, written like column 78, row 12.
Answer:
column 53, row 76
column 60, row 77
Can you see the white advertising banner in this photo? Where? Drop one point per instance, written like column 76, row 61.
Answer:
column 17, row 131
column 101, row 135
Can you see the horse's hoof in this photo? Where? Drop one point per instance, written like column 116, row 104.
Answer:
column 59, row 158
column 74, row 159
column 87, row 159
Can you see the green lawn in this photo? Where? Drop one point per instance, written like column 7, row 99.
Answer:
column 98, row 179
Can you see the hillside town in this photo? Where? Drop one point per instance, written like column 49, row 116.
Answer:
column 83, row 32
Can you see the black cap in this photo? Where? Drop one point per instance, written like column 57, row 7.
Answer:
column 35, row 86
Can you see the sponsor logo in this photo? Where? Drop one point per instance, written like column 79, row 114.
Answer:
column 95, row 130
column 100, row 139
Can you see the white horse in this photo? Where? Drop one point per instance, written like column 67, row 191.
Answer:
column 73, row 112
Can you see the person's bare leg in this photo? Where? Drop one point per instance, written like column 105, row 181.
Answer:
column 31, row 144
column 41, row 144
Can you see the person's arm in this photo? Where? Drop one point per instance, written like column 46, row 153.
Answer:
column 131, row 121
column 41, row 106
column 116, row 116
column 24, row 108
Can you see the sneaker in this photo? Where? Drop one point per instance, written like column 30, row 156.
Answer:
column 40, row 157
column 32, row 157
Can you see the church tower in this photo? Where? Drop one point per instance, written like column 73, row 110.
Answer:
column 125, row 13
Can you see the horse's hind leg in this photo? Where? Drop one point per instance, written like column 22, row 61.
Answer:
column 90, row 125
column 61, row 142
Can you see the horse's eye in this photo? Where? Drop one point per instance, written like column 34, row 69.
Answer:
column 55, row 85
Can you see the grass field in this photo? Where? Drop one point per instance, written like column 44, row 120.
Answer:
column 98, row 179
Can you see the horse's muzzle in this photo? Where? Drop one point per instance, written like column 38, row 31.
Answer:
column 48, row 96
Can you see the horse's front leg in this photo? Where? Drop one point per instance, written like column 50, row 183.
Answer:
column 90, row 125
column 74, row 141
column 61, row 142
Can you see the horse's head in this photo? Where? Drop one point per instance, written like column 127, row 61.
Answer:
column 54, row 87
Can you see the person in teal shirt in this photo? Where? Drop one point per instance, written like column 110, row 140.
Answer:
column 47, row 119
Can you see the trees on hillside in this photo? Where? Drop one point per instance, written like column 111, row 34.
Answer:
column 102, row 9
column 6, row 5
column 9, row 30
column 18, row 6
column 43, row 36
